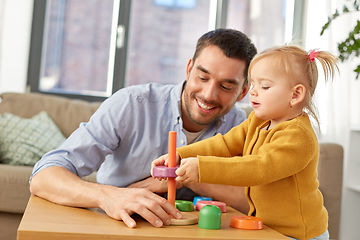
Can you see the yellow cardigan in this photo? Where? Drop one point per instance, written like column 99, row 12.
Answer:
column 278, row 167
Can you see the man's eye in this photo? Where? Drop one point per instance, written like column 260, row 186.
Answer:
column 202, row 78
column 226, row 87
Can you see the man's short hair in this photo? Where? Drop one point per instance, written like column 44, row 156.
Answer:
column 233, row 43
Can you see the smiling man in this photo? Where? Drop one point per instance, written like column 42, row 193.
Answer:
column 130, row 129
column 214, row 83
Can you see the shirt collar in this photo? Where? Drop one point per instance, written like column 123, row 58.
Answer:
column 175, row 97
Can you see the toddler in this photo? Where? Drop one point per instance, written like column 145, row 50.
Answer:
column 274, row 153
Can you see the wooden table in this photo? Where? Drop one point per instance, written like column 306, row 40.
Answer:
column 44, row 220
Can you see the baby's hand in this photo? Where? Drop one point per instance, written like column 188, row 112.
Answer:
column 188, row 172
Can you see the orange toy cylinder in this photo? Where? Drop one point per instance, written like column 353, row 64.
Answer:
column 172, row 163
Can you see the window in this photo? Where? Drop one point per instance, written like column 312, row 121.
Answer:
column 263, row 21
column 76, row 53
column 91, row 49
column 162, row 40
column 176, row 3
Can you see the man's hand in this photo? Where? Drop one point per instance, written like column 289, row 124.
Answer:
column 188, row 172
column 121, row 203
column 153, row 185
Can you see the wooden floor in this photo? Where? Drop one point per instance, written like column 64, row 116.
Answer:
column 8, row 225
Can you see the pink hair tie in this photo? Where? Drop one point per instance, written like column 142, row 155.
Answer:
column 313, row 55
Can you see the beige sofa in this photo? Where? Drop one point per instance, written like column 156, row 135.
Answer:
column 67, row 114
column 14, row 180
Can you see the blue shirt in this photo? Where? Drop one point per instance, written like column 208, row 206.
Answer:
column 128, row 131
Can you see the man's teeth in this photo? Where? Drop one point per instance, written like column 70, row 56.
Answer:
column 204, row 106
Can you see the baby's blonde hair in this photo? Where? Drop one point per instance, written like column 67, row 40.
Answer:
column 301, row 68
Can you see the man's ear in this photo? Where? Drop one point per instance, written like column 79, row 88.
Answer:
column 244, row 91
column 188, row 68
column 298, row 95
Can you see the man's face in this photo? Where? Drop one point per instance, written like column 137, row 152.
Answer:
column 214, row 84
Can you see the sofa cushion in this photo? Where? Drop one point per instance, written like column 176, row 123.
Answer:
column 23, row 141
column 66, row 113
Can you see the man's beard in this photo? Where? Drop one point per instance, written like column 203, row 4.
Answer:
column 188, row 110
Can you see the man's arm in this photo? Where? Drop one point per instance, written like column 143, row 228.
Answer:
column 61, row 186
column 233, row 196
column 154, row 185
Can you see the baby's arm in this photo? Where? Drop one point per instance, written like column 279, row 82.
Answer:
column 188, row 172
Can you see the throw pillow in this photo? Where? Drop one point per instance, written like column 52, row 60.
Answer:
column 23, row 141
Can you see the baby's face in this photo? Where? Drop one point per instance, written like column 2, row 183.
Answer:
column 271, row 91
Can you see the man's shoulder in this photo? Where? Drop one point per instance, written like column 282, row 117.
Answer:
column 233, row 118
column 151, row 91
column 236, row 111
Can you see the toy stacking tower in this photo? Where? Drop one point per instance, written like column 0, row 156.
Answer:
column 172, row 164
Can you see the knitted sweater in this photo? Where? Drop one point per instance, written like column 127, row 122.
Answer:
column 278, row 167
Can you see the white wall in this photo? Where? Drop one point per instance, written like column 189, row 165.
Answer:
column 16, row 19
column 338, row 101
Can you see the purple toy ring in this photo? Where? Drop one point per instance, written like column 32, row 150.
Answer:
column 165, row 172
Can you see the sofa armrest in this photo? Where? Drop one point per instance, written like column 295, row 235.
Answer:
column 14, row 188
column 330, row 176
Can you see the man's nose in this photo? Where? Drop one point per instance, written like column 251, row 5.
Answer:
column 211, row 91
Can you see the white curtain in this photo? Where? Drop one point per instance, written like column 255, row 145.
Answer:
column 338, row 101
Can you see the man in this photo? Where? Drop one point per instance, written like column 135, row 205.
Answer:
column 130, row 129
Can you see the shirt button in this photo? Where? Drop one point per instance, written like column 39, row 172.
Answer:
column 182, row 142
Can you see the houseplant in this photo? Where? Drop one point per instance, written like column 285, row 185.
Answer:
column 351, row 45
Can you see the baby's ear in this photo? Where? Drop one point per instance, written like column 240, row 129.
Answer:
column 299, row 92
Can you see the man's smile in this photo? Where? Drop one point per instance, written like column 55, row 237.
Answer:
column 203, row 105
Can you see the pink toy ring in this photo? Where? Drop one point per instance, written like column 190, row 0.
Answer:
column 165, row 172
column 221, row 205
